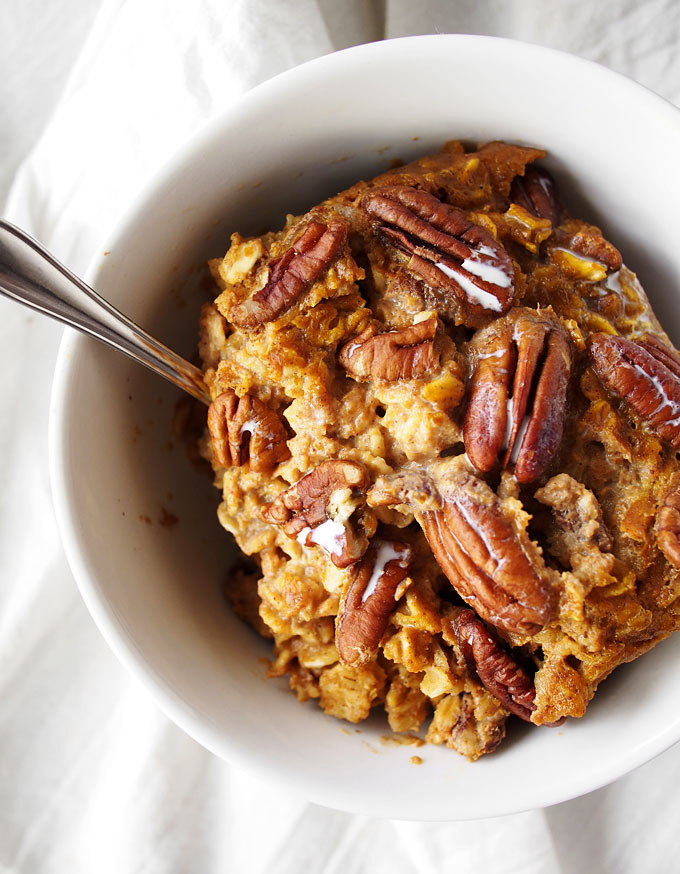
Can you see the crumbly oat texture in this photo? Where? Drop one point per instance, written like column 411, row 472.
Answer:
column 444, row 425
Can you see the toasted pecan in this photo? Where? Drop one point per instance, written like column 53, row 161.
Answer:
column 529, row 353
column 291, row 274
column 405, row 353
column 244, row 429
column 497, row 670
column 370, row 599
column 302, row 510
column 446, row 249
column 536, row 192
column 639, row 376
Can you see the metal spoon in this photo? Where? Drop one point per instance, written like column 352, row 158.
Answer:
column 31, row 276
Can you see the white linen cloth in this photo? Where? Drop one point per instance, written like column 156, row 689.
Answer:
column 93, row 778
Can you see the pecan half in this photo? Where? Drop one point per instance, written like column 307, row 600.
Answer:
column 589, row 243
column 667, row 525
column 370, row 599
column 497, row 670
column 484, row 558
column 662, row 352
column 406, row 353
column 536, row 192
column 582, row 252
column 446, row 249
column 307, row 510
column 531, row 350
column 640, row 376
column 246, row 430
column 291, row 274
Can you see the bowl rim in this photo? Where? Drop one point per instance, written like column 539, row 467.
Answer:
column 108, row 623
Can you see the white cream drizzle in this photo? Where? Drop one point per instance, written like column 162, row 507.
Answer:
column 499, row 353
column 665, row 400
column 514, row 455
column 613, row 282
column 250, row 425
column 302, row 536
column 508, row 424
column 496, row 556
column 579, row 257
column 474, row 293
column 386, row 553
column 488, row 272
column 330, row 535
column 521, row 431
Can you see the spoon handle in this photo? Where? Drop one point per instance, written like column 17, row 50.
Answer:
column 31, row 276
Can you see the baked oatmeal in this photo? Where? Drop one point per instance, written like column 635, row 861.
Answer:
column 445, row 425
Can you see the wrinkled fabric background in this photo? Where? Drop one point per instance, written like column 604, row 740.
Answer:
column 94, row 97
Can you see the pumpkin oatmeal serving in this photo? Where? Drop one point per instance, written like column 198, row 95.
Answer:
column 444, row 424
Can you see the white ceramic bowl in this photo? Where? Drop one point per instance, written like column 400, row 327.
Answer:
column 154, row 589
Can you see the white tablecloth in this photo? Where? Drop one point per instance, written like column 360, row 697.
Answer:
column 93, row 778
